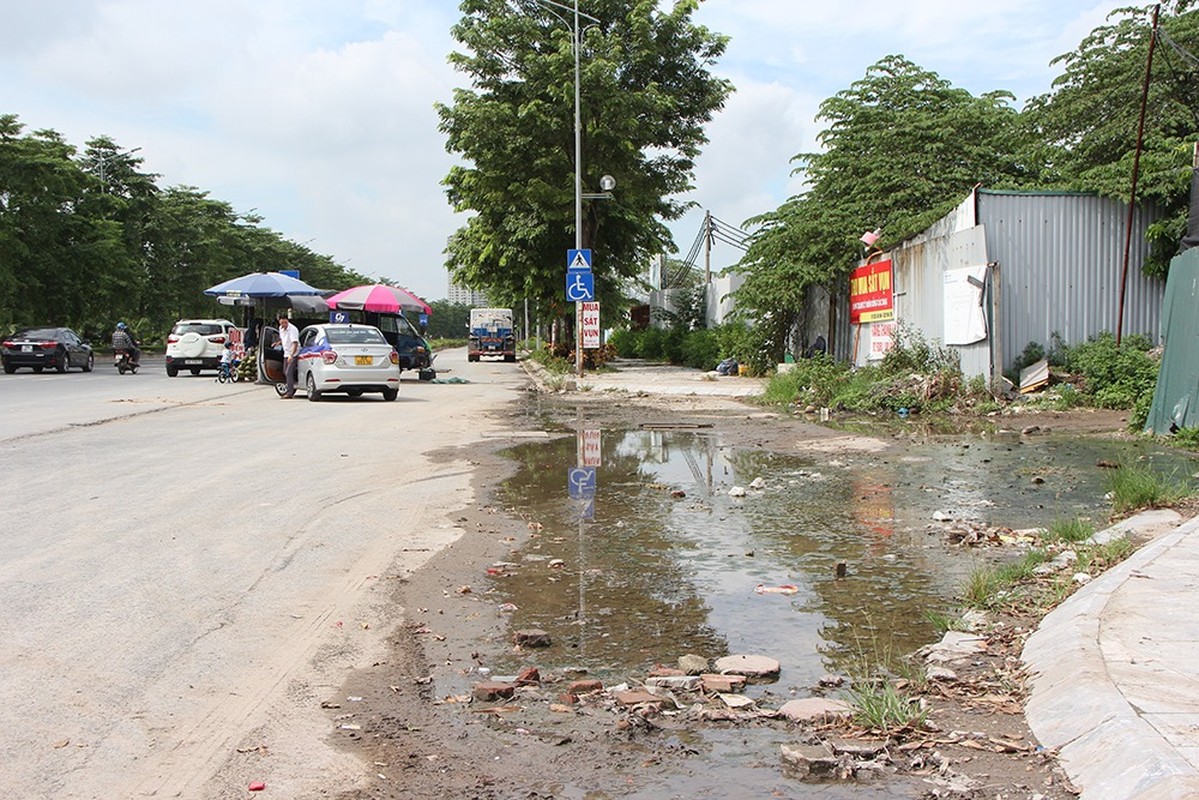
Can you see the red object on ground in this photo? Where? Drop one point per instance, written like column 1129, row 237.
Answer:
column 257, row 786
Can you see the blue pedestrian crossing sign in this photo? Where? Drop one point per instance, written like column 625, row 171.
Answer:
column 578, row 260
column 580, row 286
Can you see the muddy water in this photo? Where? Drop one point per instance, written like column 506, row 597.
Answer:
column 827, row 565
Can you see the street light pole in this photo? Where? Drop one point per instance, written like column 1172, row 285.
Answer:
column 101, row 160
column 575, row 36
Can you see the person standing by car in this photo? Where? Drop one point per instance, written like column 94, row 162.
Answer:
column 289, row 340
column 122, row 339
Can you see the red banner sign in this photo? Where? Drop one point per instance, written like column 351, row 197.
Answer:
column 870, row 298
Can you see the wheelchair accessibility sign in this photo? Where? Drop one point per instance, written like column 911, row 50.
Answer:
column 580, row 482
column 580, row 286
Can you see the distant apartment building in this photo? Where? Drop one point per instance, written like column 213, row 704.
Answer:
column 466, row 296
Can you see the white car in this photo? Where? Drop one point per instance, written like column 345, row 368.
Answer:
column 347, row 358
column 196, row 344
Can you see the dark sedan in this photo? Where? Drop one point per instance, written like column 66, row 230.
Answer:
column 39, row 348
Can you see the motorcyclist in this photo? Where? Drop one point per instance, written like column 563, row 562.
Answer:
column 122, row 339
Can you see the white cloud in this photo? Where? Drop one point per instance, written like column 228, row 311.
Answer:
column 319, row 113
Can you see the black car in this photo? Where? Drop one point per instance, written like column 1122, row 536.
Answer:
column 38, row 348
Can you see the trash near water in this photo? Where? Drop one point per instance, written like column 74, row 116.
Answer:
column 644, row 558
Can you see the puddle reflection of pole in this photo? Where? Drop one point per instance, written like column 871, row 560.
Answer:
column 581, row 509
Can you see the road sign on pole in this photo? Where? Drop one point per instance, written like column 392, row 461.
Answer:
column 578, row 260
column 589, row 314
column 580, row 286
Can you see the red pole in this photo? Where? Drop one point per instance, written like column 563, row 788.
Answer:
column 1136, row 166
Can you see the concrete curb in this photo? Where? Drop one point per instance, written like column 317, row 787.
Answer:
column 1099, row 664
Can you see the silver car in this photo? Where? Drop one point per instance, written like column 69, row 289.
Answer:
column 347, row 358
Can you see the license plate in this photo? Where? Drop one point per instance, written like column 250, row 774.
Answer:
column 362, row 361
column 192, row 361
column 26, row 348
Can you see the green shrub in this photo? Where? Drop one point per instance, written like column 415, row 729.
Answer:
column 1114, row 376
column 701, row 349
column 814, row 381
column 625, row 341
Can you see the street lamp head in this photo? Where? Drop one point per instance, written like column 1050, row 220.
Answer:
column 607, row 183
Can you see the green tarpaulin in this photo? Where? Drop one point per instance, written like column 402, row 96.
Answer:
column 1176, row 399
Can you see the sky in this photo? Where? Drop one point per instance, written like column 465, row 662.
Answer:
column 318, row 115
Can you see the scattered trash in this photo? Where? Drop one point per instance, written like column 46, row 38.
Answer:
column 758, row 483
column 786, row 588
column 257, row 786
column 737, row 491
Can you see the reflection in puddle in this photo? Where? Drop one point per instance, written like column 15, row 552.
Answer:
column 649, row 557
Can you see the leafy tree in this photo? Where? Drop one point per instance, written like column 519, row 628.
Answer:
column 86, row 239
column 448, row 320
column 1088, row 121
column 646, row 94
column 902, row 146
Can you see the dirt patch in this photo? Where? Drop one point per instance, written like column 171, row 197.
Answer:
column 421, row 734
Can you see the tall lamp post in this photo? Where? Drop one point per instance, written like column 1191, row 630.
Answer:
column 575, row 34
column 102, row 160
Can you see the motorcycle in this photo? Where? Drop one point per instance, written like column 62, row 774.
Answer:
column 124, row 362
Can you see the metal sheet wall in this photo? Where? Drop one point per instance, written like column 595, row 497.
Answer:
column 1059, row 258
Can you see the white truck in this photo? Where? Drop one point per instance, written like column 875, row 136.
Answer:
column 491, row 334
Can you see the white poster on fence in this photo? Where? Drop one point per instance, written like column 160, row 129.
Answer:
column 965, row 317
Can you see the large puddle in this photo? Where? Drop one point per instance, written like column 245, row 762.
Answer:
column 642, row 553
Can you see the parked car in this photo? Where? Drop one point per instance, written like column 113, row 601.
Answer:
column 38, row 348
column 196, row 344
column 347, row 358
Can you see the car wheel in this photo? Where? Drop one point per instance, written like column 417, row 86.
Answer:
column 354, row 392
column 280, row 388
column 172, row 371
column 195, row 370
column 313, row 394
column 391, row 394
column 90, row 363
column 64, row 361
column 9, row 369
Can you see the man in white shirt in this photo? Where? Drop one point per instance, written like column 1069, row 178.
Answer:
column 289, row 340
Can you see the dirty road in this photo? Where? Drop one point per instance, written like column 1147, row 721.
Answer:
column 712, row 533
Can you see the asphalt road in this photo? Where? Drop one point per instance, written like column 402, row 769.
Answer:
column 190, row 568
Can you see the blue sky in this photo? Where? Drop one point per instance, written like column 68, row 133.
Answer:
column 318, row 114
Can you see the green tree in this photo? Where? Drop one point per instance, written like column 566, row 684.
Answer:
column 902, row 146
column 1088, row 122
column 448, row 320
column 646, row 94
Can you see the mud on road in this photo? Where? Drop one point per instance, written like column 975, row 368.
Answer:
column 420, row 734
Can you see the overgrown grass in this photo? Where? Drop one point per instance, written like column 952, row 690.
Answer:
column 1069, row 530
column 987, row 586
column 878, row 702
column 1187, row 437
column 944, row 623
column 1139, row 486
column 879, row 706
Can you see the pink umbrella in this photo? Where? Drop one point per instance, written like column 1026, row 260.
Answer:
column 378, row 297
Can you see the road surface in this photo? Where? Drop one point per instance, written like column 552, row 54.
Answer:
column 191, row 568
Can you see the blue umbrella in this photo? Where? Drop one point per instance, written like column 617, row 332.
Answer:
column 262, row 284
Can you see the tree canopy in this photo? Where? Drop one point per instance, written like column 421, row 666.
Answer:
column 902, row 146
column 87, row 238
column 646, row 95
column 1088, row 122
